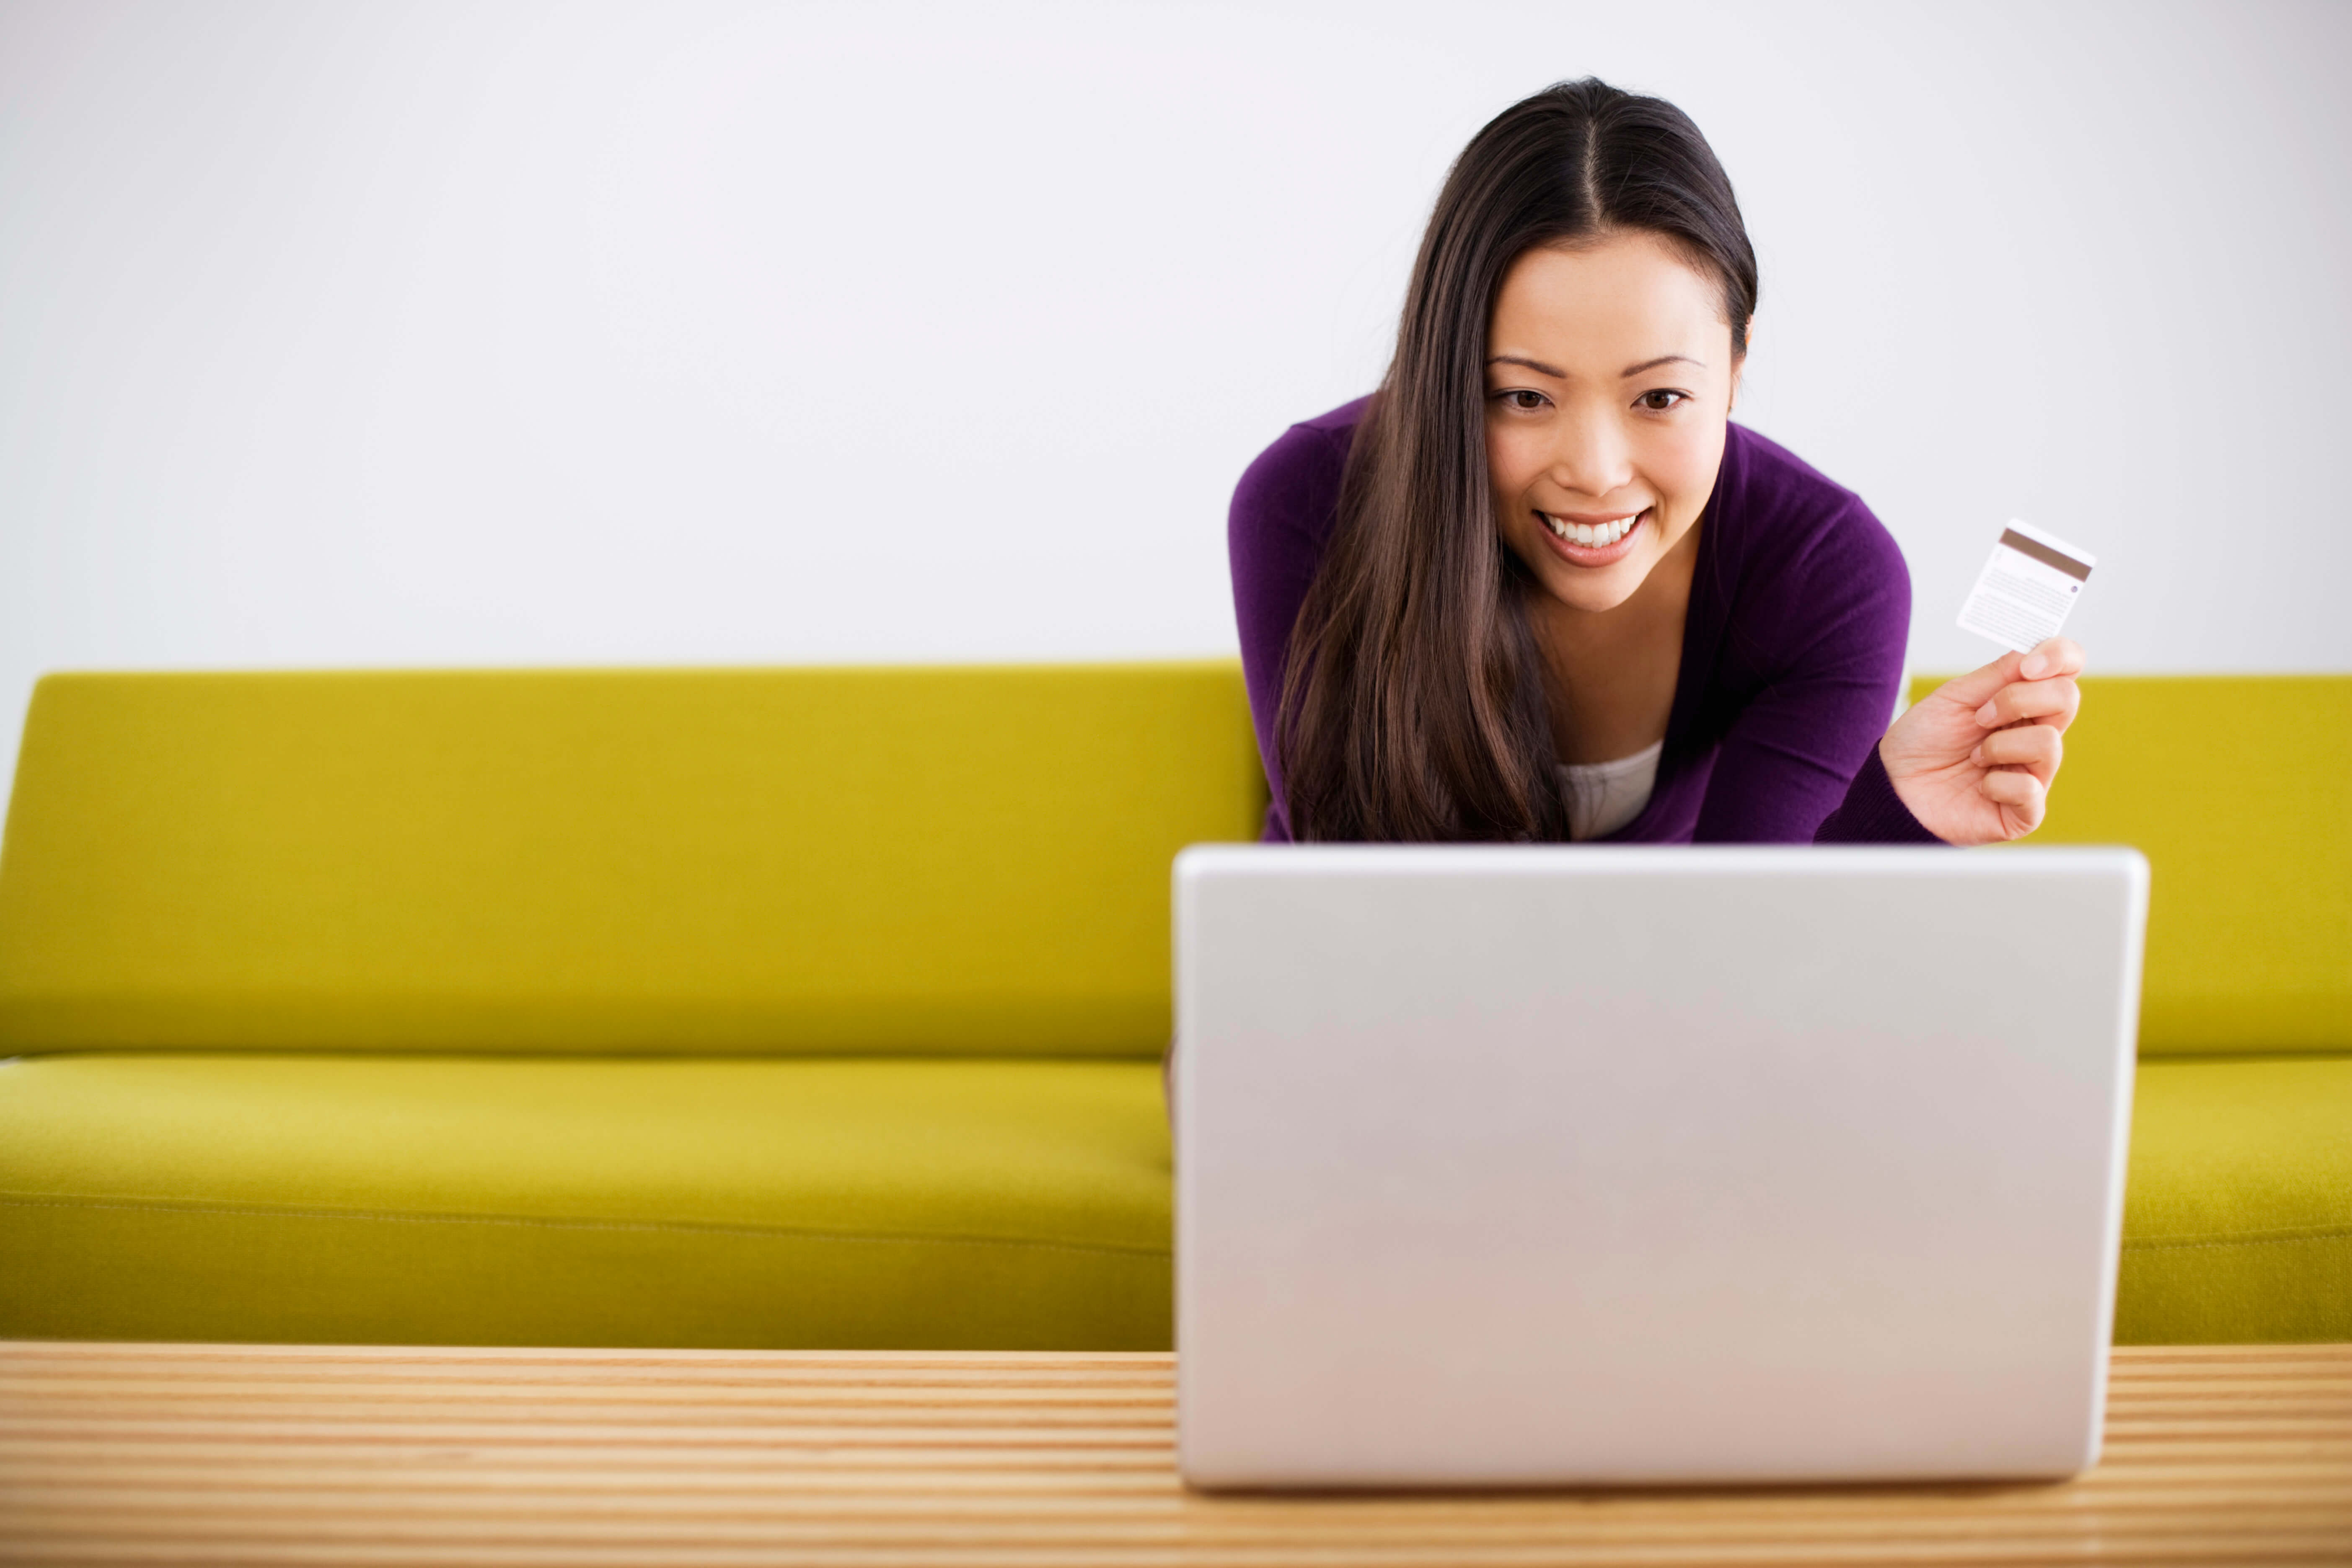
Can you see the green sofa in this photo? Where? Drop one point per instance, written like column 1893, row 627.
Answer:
column 2238, row 1216
column 823, row 1007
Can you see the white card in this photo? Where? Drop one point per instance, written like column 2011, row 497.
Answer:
column 2025, row 589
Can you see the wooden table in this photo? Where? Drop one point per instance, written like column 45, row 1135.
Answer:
column 278, row 1454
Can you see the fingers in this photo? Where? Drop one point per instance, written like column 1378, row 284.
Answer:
column 2036, row 748
column 2053, row 655
column 2054, row 701
column 2052, row 658
column 2021, row 794
column 1979, row 684
column 2025, row 701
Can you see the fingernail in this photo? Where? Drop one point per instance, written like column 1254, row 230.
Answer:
column 2034, row 669
column 1987, row 714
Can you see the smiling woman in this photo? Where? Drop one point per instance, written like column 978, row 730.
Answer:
column 1538, row 586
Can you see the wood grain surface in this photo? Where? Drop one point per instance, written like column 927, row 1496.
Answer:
column 281, row 1454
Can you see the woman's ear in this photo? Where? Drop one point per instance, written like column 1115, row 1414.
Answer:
column 1739, row 367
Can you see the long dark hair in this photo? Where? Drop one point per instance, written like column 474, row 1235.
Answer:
column 1413, row 703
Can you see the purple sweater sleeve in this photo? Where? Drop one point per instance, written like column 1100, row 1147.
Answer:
column 1813, row 651
column 1276, row 532
column 1872, row 813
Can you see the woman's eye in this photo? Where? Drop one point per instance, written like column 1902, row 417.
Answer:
column 1661, row 400
column 1524, row 400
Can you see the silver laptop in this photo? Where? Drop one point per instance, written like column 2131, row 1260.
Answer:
column 1544, row 1165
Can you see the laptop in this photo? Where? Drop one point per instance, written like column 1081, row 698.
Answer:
column 1595, row 1165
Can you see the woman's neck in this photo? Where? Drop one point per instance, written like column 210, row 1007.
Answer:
column 1610, row 675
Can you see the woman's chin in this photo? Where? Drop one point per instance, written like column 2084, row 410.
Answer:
column 1594, row 589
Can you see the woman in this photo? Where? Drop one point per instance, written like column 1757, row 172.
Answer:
column 1538, row 586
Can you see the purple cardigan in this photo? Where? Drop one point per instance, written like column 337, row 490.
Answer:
column 1792, row 649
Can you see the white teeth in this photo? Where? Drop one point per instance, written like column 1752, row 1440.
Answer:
column 1597, row 534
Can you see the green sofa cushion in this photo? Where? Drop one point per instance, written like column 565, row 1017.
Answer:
column 2239, row 791
column 402, row 1198
column 2238, row 1219
column 921, row 860
column 817, row 1202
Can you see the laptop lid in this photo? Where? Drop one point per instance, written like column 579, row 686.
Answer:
column 1544, row 1165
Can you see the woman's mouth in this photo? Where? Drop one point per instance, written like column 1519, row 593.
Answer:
column 1589, row 542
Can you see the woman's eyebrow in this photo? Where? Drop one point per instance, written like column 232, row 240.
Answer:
column 1557, row 374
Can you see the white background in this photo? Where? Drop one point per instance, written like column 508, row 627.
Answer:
column 540, row 333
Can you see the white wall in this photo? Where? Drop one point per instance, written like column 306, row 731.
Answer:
column 558, row 333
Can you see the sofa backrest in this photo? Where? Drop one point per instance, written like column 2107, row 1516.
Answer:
column 2239, row 790
column 865, row 859
column 965, row 860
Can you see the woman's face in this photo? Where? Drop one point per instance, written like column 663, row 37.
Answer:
column 1609, row 377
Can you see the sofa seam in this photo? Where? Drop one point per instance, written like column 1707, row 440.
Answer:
column 2257, row 1238
column 813, row 1233
column 393, row 1218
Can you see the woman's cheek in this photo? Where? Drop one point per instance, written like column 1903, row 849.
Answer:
column 1508, row 462
column 1683, row 466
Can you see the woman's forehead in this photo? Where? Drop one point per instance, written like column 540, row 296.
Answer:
column 1601, row 308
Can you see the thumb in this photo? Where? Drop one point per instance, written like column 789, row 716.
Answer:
column 1978, row 686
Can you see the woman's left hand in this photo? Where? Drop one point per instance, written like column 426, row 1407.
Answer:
column 1973, row 760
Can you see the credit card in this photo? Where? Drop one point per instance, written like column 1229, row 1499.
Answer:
column 2025, row 589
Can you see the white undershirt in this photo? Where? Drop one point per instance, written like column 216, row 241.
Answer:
column 1604, row 796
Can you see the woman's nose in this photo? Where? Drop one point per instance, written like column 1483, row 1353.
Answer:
column 1591, row 458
